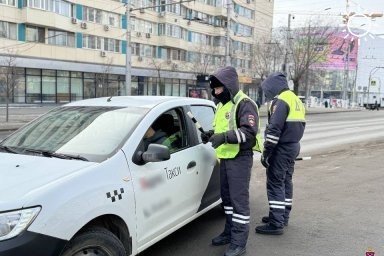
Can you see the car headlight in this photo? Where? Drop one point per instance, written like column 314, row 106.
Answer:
column 13, row 223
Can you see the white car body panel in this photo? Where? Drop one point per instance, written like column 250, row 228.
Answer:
column 73, row 192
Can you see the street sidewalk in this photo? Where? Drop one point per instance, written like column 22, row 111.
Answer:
column 20, row 114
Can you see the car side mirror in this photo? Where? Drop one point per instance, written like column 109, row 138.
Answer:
column 156, row 153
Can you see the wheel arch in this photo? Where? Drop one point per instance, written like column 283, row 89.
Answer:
column 114, row 224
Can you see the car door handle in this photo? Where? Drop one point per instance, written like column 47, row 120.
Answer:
column 191, row 164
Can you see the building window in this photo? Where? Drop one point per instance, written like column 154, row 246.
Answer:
column 49, row 86
column 33, row 86
column 148, row 50
column 76, row 86
column 111, row 19
column 8, row 30
column 91, row 42
column 135, row 49
column 57, row 6
column 92, row 15
column 101, row 17
column 89, row 85
column 63, row 86
column 8, row 2
column 62, row 38
column 172, row 30
column 242, row 11
column 101, row 43
column 35, row 34
column 111, row 45
column 173, row 7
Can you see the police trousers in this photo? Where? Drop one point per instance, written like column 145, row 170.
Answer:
column 235, row 175
column 279, row 182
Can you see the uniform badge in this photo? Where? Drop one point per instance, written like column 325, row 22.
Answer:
column 251, row 120
column 369, row 253
column 227, row 115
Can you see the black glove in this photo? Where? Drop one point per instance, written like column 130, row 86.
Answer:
column 265, row 161
column 205, row 136
column 217, row 139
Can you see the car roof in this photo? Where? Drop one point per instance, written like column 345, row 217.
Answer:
column 139, row 101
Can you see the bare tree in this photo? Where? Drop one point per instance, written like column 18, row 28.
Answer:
column 203, row 61
column 266, row 57
column 309, row 45
column 102, row 77
column 159, row 65
column 9, row 75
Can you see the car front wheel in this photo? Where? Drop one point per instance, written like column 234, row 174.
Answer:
column 95, row 242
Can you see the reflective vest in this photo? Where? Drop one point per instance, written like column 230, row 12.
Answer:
column 172, row 141
column 225, row 120
column 296, row 107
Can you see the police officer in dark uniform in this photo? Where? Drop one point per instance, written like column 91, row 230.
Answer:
column 236, row 134
column 286, row 123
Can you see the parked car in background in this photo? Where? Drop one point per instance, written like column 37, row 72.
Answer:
column 80, row 180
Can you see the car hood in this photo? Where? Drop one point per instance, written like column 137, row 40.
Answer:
column 22, row 175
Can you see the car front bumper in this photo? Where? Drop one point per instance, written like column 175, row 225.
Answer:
column 32, row 244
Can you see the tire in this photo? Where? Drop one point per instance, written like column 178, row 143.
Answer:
column 94, row 242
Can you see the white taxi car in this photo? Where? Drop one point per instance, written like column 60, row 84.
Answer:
column 80, row 180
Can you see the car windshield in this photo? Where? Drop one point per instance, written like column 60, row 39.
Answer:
column 85, row 133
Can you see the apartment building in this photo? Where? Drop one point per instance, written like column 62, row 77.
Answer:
column 57, row 51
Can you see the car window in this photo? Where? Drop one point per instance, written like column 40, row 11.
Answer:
column 169, row 130
column 204, row 115
column 95, row 133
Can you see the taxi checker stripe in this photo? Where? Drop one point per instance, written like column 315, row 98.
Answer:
column 116, row 195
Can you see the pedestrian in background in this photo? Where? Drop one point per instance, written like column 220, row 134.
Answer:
column 236, row 134
column 286, row 123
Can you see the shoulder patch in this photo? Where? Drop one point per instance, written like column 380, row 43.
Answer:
column 251, row 120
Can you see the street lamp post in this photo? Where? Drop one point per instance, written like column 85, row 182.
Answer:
column 228, row 38
column 371, row 73
column 287, row 46
column 128, row 63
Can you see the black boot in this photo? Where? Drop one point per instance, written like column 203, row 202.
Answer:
column 221, row 239
column 234, row 250
column 265, row 219
column 269, row 229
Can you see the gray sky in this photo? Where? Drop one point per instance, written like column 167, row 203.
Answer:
column 329, row 10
